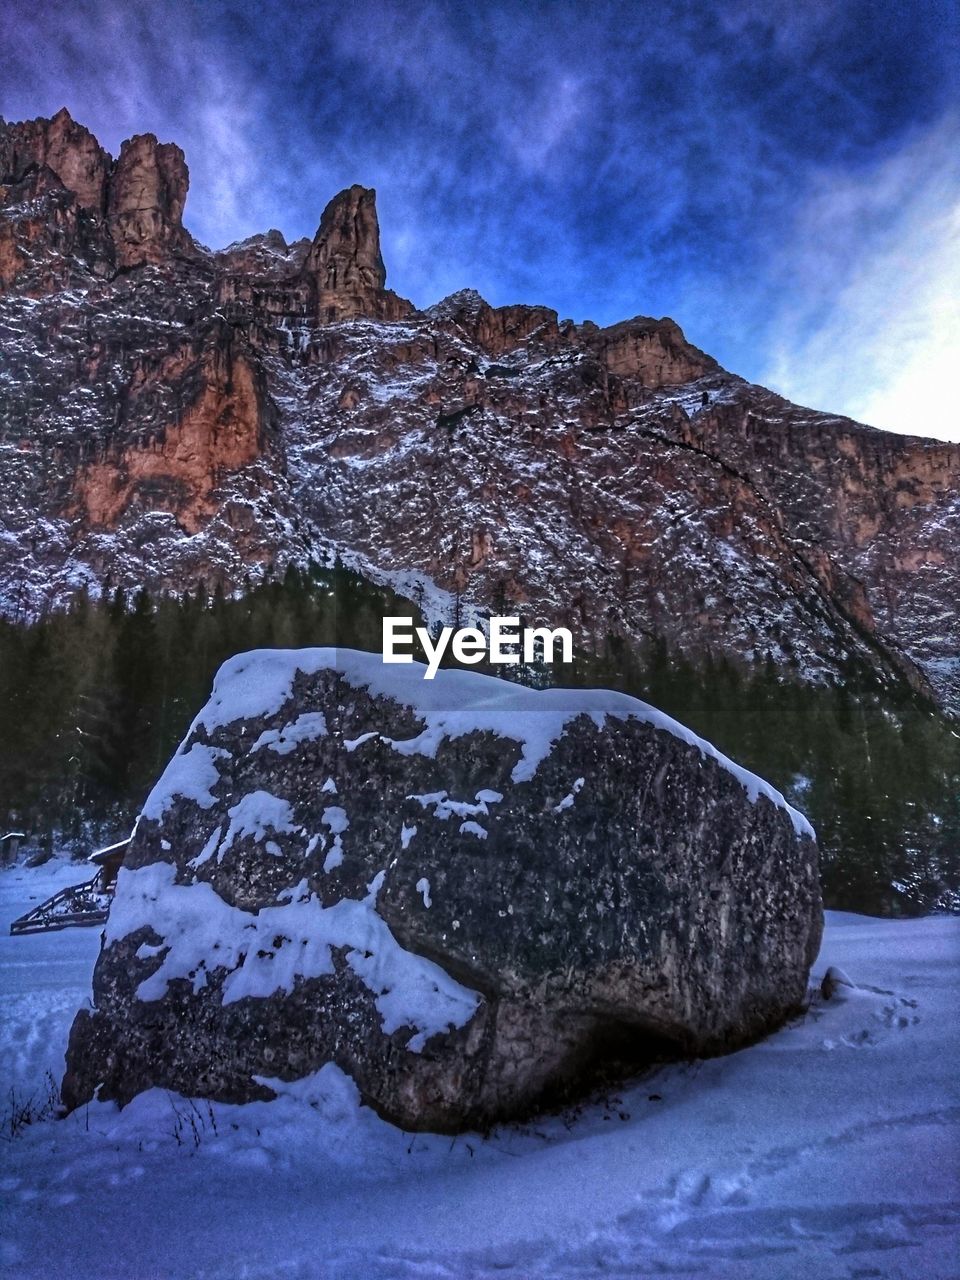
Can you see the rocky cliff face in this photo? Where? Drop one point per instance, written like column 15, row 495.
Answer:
column 146, row 195
column 221, row 429
column 171, row 413
column 66, row 149
column 464, row 892
column 69, row 210
column 345, row 256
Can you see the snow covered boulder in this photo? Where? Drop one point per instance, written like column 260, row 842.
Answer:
column 467, row 894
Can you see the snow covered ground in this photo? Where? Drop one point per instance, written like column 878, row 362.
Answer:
column 830, row 1150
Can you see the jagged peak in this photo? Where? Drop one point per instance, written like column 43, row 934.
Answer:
column 462, row 302
column 345, row 255
column 272, row 241
column 657, row 351
column 167, row 157
column 58, row 143
column 145, row 200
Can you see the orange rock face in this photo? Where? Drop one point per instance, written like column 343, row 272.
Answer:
column 148, row 190
column 68, row 210
column 63, row 146
column 345, row 256
column 654, row 352
column 53, row 177
column 344, row 265
column 180, row 470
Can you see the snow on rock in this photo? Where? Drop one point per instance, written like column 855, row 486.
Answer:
column 406, row 835
column 570, row 797
column 189, row 775
column 584, row 868
column 444, row 806
column 207, row 852
column 254, row 815
column 268, row 951
column 337, row 821
column 259, row 683
column 335, row 818
column 334, row 855
column 283, row 741
column 836, row 984
column 473, row 829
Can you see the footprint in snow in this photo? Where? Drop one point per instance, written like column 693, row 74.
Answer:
column 694, row 1188
column 842, row 997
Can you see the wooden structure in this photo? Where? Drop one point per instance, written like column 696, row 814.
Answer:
column 79, row 904
column 9, row 844
column 109, row 860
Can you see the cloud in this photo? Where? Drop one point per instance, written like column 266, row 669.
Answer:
column 229, row 198
column 560, row 109
column 870, row 276
column 120, row 73
column 741, row 167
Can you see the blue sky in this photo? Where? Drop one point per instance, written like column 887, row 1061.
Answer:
column 781, row 178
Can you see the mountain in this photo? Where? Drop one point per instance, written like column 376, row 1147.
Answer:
column 173, row 415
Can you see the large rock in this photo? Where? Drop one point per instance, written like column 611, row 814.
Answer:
column 463, row 892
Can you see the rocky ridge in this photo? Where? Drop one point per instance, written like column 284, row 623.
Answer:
column 171, row 414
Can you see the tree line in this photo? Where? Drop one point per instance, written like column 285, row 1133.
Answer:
column 95, row 699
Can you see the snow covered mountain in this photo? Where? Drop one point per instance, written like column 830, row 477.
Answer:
column 171, row 413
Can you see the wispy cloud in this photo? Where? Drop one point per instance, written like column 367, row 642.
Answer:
column 559, row 109
column 769, row 174
column 869, row 324
column 121, row 72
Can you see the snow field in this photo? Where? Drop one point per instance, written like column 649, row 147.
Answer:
column 828, row 1151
